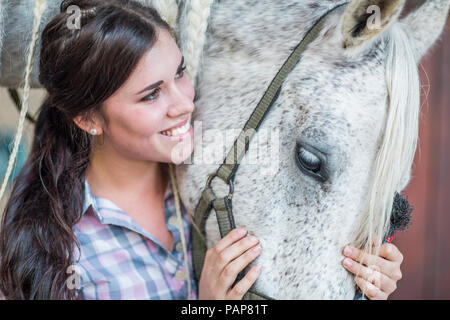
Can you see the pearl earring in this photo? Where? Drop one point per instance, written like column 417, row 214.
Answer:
column 94, row 132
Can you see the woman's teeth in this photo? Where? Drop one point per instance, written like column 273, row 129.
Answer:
column 177, row 132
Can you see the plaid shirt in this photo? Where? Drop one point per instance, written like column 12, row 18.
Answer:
column 120, row 260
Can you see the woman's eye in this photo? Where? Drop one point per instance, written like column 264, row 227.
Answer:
column 180, row 74
column 152, row 96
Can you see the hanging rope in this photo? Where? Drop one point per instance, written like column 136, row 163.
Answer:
column 180, row 225
column 38, row 11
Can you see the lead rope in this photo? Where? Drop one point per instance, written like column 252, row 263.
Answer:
column 180, row 226
column 38, row 11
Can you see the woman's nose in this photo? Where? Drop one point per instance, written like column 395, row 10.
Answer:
column 180, row 102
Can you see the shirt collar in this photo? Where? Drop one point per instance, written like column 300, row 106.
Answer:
column 108, row 213
column 89, row 199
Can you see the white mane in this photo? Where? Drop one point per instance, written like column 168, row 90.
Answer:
column 391, row 171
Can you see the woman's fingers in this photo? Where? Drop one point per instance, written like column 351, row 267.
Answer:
column 371, row 291
column 230, row 238
column 224, row 262
column 372, row 275
column 394, row 259
column 222, row 255
column 232, row 269
column 367, row 259
column 391, row 253
column 215, row 257
column 389, row 260
column 214, row 260
column 236, row 249
column 381, row 271
column 240, row 288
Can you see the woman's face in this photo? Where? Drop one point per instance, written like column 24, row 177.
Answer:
column 149, row 116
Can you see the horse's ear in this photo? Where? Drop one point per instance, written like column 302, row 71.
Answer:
column 425, row 25
column 364, row 20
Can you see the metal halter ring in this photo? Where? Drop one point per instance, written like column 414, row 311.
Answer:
column 230, row 185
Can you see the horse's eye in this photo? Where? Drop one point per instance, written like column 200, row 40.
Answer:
column 310, row 162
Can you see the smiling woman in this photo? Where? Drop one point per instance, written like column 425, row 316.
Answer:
column 139, row 121
column 73, row 67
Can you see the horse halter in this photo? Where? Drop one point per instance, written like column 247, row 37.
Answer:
column 227, row 170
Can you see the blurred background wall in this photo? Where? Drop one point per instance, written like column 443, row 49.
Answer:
column 9, row 119
column 426, row 245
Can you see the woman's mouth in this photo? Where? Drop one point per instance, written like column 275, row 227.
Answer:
column 178, row 133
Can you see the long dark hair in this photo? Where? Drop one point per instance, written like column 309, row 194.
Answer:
column 80, row 68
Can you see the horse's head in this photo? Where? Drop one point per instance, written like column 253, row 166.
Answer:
column 342, row 134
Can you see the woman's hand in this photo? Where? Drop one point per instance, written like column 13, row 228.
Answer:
column 224, row 262
column 378, row 276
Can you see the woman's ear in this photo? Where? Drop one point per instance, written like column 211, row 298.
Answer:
column 88, row 125
column 364, row 20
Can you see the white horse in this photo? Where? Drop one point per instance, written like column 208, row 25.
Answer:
column 342, row 134
column 348, row 112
